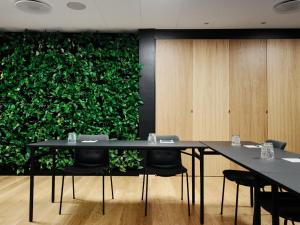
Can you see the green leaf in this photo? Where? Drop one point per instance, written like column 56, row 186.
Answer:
column 55, row 83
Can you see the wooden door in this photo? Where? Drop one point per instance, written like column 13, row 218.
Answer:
column 248, row 89
column 211, row 98
column 174, row 89
column 284, row 92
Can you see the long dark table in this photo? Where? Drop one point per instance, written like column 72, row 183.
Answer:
column 56, row 145
column 277, row 171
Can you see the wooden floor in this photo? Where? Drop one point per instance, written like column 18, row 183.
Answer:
column 165, row 206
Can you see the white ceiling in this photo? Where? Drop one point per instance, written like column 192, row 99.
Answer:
column 116, row 15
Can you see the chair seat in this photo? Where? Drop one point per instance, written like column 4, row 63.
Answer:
column 165, row 171
column 85, row 170
column 289, row 205
column 241, row 177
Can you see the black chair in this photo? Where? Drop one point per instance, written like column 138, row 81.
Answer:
column 164, row 163
column 88, row 162
column 288, row 205
column 245, row 178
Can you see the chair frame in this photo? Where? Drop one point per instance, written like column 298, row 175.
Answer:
column 187, row 188
column 83, row 137
column 145, row 175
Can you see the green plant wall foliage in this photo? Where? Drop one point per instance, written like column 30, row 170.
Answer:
column 55, row 83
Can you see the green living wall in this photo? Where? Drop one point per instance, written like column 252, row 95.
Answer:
column 55, row 83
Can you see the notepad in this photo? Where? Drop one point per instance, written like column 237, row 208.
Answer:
column 166, row 141
column 89, row 141
column 293, row 160
column 252, row 146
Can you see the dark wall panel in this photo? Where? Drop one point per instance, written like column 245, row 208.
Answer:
column 147, row 83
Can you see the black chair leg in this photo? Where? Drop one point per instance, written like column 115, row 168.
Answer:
column 61, row 194
column 73, row 184
column 146, row 203
column 293, row 222
column 188, row 193
column 112, row 188
column 251, row 196
column 236, row 204
column 285, row 222
column 103, row 191
column 143, row 186
column 223, row 190
column 181, row 186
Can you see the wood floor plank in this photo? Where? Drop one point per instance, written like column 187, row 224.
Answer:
column 165, row 206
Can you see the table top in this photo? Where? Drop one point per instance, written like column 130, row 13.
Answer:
column 277, row 170
column 119, row 144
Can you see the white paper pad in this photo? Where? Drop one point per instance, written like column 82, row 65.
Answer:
column 166, row 141
column 252, row 146
column 293, row 160
column 89, row 141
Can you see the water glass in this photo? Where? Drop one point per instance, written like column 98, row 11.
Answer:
column 72, row 138
column 152, row 138
column 235, row 140
column 267, row 151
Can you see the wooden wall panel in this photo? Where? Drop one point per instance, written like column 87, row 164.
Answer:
column 192, row 82
column 284, row 91
column 248, row 89
column 211, row 97
column 174, row 89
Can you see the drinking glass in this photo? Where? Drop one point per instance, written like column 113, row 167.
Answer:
column 267, row 151
column 72, row 138
column 263, row 152
column 152, row 138
column 235, row 140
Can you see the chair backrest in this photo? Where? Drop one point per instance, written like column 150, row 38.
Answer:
column 164, row 158
column 91, row 157
column 277, row 144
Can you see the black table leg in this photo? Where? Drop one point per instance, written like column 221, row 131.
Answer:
column 31, row 188
column 256, row 213
column 53, row 152
column 193, row 176
column 275, row 214
column 201, row 151
column 31, row 198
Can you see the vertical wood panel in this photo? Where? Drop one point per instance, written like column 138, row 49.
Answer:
column 174, row 89
column 284, row 91
column 211, row 97
column 248, row 89
column 192, row 75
